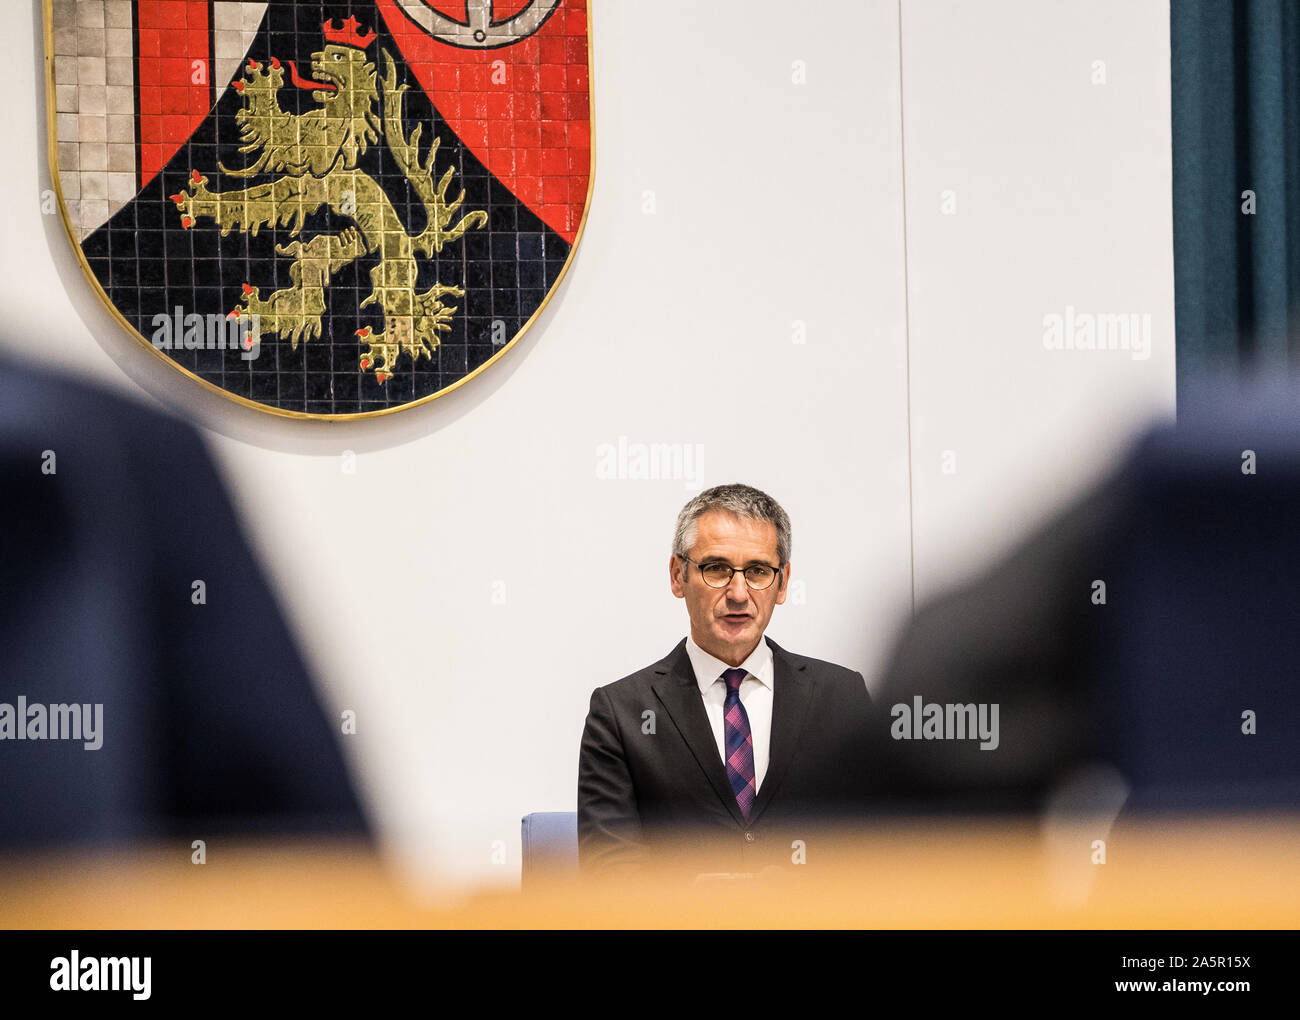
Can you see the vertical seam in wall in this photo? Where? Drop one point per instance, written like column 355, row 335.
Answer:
column 907, row 321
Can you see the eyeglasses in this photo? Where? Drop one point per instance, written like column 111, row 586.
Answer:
column 717, row 574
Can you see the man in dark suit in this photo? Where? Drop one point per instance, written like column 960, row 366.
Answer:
column 729, row 750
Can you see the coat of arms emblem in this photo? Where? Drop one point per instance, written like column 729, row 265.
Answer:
column 324, row 209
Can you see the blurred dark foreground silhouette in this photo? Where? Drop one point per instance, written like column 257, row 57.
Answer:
column 149, row 687
column 1144, row 641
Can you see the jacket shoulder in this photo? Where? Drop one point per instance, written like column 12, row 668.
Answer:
column 818, row 667
column 642, row 678
column 825, row 671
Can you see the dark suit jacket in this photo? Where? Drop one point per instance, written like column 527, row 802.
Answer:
column 640, row 792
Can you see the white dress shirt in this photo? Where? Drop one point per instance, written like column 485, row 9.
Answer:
column 755, row 694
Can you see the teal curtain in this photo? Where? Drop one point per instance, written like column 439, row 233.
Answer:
column 1235, row 68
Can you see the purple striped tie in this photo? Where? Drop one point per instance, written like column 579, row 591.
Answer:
column 739, row 743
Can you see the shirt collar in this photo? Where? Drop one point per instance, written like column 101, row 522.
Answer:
column 709, row 668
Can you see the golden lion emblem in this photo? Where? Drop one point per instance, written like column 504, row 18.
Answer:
column 316, row 155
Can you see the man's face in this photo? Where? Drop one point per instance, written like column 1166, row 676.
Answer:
column 727, row 622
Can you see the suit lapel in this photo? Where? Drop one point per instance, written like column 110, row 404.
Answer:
column 791, row 697
column 677, row 689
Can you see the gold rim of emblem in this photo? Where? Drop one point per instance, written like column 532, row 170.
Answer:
column 52, row 158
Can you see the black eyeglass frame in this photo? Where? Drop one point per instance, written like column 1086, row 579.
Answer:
column 776, row 572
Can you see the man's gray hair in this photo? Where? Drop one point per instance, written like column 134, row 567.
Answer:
column 741, row 500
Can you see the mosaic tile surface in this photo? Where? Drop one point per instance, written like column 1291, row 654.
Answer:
column 323, row 208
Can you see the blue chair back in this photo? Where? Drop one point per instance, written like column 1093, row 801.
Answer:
column 550, row 846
